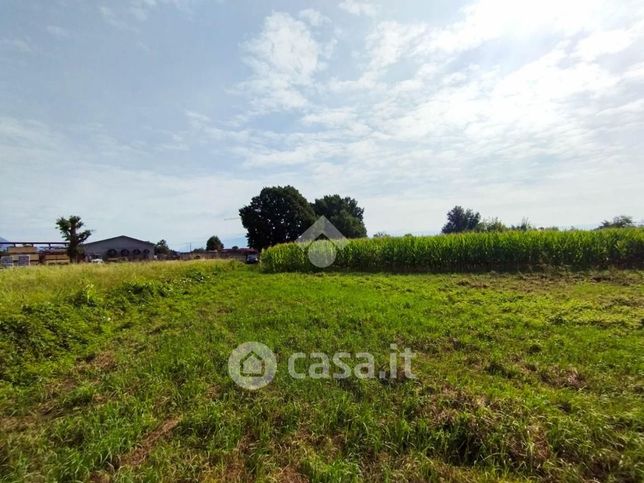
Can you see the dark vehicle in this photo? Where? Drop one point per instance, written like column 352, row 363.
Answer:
column 252, row 258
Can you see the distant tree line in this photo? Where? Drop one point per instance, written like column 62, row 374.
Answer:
column 212, row 244
column 281, row 214
column 461, row 220
column 618, row 222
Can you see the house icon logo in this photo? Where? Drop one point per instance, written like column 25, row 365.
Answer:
column 252, row 365
column 322, row 252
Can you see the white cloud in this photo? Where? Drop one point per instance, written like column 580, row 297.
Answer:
column 635, row 107
column 141, row 202
column 390, row 41
column 285, row 47
column 203, row 128
column 284, row 59
column 606, row 42
column 357, row 7
column 513, row 108
column 330, row 117
column 455, row 129
column 487, row 20
column 314, row 17
column 120, row 16
column 491, row 19
column 635, row 72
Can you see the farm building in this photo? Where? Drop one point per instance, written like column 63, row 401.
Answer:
column 22, row 254
column 119, row 247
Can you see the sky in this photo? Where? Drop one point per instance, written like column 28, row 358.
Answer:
column 161, row 118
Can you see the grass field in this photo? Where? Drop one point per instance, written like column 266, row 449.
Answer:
column 120, row 372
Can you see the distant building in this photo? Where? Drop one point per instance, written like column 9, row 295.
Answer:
column 119, row 247
column 24, row 254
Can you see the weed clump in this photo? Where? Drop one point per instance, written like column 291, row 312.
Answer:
column 86, row 296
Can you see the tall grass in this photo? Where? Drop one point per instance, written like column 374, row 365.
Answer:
column 473, row 252
column 51, row 283
column 50, row 314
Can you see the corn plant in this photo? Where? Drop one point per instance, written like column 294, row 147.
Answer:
column 472, row 252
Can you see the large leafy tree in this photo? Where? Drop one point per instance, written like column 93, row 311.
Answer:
column 214, row 243
column 278, row 214
column 344, row 213
column 460, row 220
column 71, row 230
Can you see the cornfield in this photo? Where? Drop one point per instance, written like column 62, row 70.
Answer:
column 472, row 252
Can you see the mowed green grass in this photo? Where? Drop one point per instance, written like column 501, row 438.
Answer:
column 120, row 372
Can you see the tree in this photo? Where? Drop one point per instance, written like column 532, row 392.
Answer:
column 524, row 226
column 618, row 222
column 343, row 213
column 491, row 225
column 162, row 248
column 278, row 214
column 460, row 220
column 214, row 243
column 70, row 229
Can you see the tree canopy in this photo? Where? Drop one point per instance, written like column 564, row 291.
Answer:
column 622, row 221
column 491, row 225
column 214, row 243
column 71, row 230
column 524, row 226
column 343, row 213
column 161, row 248
column 460, row 220
column 278, row 214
